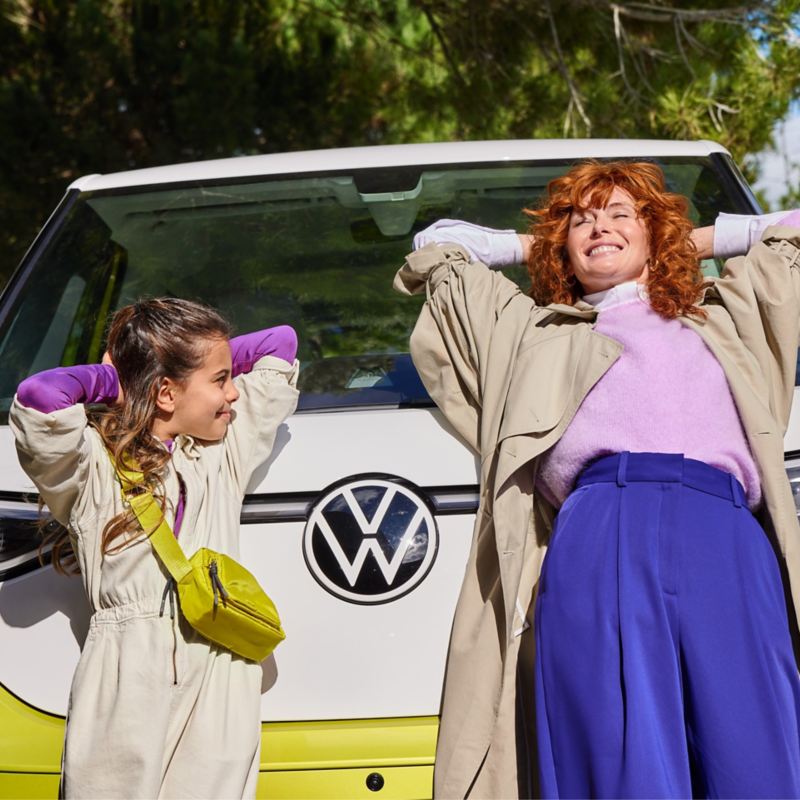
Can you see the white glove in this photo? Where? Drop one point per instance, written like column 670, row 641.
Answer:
column 735, row 234
column 492, row 247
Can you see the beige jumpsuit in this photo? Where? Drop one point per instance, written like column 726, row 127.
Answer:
column 155, row 710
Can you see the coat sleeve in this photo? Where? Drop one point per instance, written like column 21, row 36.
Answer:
column 457, row 329
column 761, row 292
column 62, row 387
column 55, row 450
column 267, row 396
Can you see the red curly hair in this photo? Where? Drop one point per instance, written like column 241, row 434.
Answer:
column 674, row 284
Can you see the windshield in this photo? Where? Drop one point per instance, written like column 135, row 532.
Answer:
column 317, row 252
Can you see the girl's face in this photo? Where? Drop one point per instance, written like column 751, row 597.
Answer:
column 201, row 405
column 608, row 246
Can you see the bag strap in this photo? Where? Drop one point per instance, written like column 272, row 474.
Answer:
column 151, row 518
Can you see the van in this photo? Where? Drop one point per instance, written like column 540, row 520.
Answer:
column 360, row 524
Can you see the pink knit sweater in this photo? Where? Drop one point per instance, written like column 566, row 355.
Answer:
column 665, row 394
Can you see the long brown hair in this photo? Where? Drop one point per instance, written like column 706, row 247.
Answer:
column 674, row 282
column 148, row 341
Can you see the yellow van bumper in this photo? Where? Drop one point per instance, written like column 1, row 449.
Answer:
column 385, row 759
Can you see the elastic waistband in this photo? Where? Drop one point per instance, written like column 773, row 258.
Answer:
column 624, row 468
column 137, row 609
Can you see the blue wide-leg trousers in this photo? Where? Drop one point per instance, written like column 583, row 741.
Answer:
column 664, row 666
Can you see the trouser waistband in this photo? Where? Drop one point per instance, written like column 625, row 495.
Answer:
column 625, row 467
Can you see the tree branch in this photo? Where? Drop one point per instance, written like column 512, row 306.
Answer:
column 679, row 31
column 647, row 12
column 575, row 98
column 437, row 32
column 619, row 36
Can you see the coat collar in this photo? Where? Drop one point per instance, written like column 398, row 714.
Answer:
column 581, row 310
column 187, row 445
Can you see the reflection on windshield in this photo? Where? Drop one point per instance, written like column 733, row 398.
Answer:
column 362, row 380
column 316, row 252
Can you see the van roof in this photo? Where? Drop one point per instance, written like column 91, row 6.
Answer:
column 396, row 155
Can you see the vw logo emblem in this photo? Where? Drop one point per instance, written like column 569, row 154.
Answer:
column 370, row 539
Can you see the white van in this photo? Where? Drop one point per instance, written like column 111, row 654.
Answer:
column 310, row 239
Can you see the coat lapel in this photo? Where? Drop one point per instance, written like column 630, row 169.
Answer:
column 530, row 426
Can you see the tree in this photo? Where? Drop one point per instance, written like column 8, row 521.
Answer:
column 603, row 68
column 105, row 85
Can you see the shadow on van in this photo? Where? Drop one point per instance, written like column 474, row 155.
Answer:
column 31, row 598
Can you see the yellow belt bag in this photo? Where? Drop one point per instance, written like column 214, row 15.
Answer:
column 218, row 597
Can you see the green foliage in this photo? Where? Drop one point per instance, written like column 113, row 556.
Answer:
column 792, row 197
column 106, row 85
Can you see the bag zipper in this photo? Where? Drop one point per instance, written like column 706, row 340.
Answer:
column 216, row 585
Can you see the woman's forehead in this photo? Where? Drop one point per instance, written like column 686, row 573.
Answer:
column 604, row 196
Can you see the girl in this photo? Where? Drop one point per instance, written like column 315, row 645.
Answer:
column 645, row 406
column 156, row 710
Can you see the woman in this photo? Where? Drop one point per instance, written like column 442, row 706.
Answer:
column 648, row 406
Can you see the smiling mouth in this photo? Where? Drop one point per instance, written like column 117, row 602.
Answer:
column 603, row 249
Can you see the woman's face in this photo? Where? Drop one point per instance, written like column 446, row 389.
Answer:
column 608, row 246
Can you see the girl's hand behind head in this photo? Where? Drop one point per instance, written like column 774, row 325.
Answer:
column 120, row 394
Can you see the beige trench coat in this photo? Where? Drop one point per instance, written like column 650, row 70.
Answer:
column 509, row 376
column 156, row 710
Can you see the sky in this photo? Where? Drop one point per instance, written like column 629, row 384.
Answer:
column 774, row 179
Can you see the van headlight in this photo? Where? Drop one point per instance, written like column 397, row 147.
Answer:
column 19, row 538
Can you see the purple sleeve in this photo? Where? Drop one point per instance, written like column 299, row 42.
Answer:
column 280, row 342
column 63, row 387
